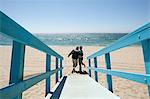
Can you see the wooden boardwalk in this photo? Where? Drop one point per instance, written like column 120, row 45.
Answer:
column 79, row 86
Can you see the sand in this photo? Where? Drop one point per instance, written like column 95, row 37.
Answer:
column 129, row 59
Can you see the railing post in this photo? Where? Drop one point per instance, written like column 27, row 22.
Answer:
column 60, row 67
column 89, row 66
column 48, row 68
column 56, row 68
column 95, row 72
column 146, row 54
column 17, row 65
column 108, row 77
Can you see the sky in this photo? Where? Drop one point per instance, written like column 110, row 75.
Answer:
column 78, row 16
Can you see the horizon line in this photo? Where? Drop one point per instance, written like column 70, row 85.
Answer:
column 83, row 33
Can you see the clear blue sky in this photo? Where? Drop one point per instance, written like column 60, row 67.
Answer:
column 70, row 16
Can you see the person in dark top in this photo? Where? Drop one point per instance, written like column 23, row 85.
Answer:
column 81, row 59
column 75, row 56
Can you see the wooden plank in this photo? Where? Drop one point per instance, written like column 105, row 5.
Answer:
column 56, row 94
column 95, row 66
column 8, row 92
column 108, row 77
column 89, row 60
column 17, row 65
column 140, row 78
column 48, row 69
column 56, row 76
column 146, row 54
column 61, row 67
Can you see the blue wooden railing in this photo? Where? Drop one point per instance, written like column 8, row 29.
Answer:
column 21, row 38
column 141, row 35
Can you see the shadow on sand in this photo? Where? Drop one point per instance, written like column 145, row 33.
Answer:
column 81, row 72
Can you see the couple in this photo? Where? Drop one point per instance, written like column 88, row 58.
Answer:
column 77, row 56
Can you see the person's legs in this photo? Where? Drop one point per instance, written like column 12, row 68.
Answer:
column 74, row 65
column 80, row 62
column 77, row 60
column 83, row 64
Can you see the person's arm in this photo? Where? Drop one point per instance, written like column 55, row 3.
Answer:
column 70, row 53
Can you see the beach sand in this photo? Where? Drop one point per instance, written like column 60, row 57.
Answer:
column 129, row 59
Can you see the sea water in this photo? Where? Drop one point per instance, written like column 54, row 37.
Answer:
column 70, row 39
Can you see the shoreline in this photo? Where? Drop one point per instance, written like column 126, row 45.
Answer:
column 80, row 45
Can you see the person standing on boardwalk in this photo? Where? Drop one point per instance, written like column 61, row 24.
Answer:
column 75, row 55
column 81, row 59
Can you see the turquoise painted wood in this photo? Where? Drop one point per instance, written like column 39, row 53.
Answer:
column 21, row 38
column 140, row 78
column 146, row 53
column 17, row 65
column 95, row 72
column 89, row 60
column 133, row 37
column 140, row 35
column 60, row 67
column 8, row 92
column 56, row 68
column 19, row 34
column 108, row 77
column 48, row 69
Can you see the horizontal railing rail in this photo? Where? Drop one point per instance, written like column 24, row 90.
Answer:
column 140, row 78
column 13, row 30
column 21, row 37
column 134, row 37
column 142, row 36
column 8, row 92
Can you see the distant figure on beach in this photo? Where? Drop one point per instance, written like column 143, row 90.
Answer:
column 75, row 55
column 81, row 59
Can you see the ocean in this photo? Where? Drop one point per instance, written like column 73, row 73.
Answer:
column 70, row 39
